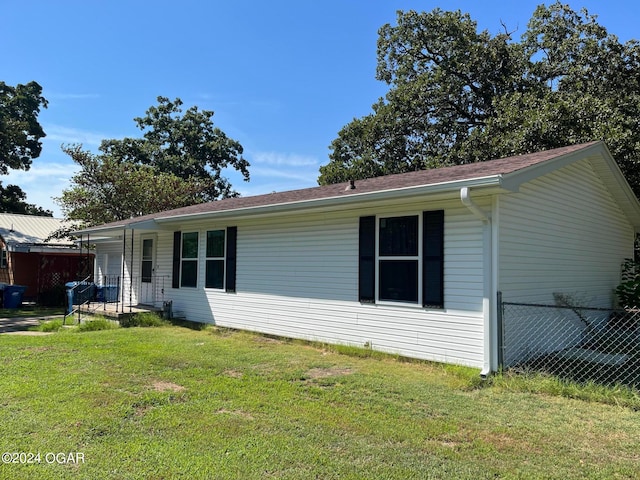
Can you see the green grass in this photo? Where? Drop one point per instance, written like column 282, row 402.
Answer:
column 96, row 323
column 48, row 326
column 173, row 402
column 30, row 311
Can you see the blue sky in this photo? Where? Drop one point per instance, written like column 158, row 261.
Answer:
column 283, row 77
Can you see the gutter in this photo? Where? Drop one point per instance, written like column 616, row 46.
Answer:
column 434, row 188
column 488, row 267
column 495, row 181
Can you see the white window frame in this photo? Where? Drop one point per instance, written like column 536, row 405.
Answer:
column 195, row 259
column 418, row 258
column 223, row 258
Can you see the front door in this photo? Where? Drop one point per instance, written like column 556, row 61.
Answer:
column 147, row 269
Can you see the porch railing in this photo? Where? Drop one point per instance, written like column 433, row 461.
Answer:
column 131, row 291
column 79, row 294
column 108, row 291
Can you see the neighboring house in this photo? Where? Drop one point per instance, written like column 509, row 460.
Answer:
column 408, row 263
column 29, row 259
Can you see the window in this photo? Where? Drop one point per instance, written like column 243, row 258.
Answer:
column 147, row 260
column 402, row 259
column 220, row 261
column 3, row 258
column 215, row 260
column 189, row 260
column 398, row 259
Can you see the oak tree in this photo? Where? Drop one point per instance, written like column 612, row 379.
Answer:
column 180, row 160
column 458, row 95
column 20, row 141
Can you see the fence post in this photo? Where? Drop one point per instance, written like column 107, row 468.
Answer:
column 500, row 332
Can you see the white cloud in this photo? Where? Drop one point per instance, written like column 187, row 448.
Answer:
column 303, row 176
column 284, row 159
column 42, row 182
column 61, row 134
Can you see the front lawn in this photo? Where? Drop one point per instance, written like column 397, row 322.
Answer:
column 171, row 402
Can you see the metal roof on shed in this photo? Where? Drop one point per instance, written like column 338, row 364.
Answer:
column 18, row 229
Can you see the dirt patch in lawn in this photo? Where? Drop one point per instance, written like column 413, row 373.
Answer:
column 167, row 387
column 233, row 373
column 267, row 339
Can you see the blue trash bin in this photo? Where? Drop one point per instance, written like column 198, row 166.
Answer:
column 12, row 295
column 79, row 293
column 107, row 293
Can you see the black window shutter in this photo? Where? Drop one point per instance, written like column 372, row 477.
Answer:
column 367, row 260
column 230, row 280
column 175, row 274
column 433, row 259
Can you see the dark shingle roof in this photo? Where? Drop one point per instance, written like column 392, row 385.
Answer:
column 435, row 176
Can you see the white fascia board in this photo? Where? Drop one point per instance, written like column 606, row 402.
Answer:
column 116, row 230
column 512, row 181
column 603, row 163
column 489, row 181
column 109, row 231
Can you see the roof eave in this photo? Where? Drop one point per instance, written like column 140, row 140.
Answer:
column 394, row 193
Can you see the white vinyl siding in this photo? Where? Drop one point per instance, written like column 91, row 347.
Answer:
column 297, row 265
column 562, row 233
column 297, row 276
column 108, row 261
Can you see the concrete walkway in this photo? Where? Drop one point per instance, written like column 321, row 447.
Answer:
column 20, row 325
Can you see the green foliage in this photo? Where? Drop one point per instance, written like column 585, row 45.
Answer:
column 20, row 141
column 541, row 383
column 106, row 189
column 96, row 324
column 48, row 326
column 12, row 200
column 628, row 291
column 458, row 95
column 178, row 162
column 145, row 319
column 20, row 132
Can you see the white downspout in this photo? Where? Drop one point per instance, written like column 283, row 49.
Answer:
column 487, row 267
column 465, row 196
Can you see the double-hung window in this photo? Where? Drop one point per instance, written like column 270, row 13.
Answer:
column 402, row 259
column 398, row 259
column 189, row 260
column 219, row 262
column 215, row 261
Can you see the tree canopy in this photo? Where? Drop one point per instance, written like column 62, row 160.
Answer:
column 13, row 200
column 20, row 132
column 458, row 95
column 179, row 161
column 20, row 135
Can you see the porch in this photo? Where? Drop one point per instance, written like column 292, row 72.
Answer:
column 110, row 296
column 116, row 312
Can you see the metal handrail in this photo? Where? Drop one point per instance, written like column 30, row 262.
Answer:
column 74, row 310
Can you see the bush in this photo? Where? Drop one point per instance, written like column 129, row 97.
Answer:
column 142, row 320
column 628, row 292
column 51, row 326
column 97, row 324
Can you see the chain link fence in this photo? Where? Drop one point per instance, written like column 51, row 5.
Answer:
column 573, row 342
